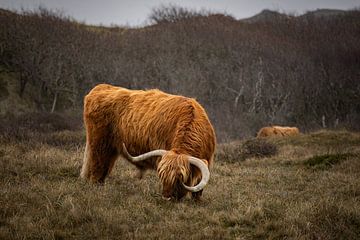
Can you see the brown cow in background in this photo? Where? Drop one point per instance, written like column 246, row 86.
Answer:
column 172, row 133
column 277, row 131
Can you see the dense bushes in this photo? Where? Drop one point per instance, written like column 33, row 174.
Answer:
column 30, row 125
column 299, row 71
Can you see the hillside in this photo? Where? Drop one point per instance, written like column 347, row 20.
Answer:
column 324, row 13
column 299, row 71
column 266, row 16
column 270, row 15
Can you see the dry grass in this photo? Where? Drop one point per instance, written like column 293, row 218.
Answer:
column 279, row 197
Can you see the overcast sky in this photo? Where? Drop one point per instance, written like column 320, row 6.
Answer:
column 136, row 12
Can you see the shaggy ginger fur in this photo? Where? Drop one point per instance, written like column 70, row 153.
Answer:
column 145, row 121
column 277, row 131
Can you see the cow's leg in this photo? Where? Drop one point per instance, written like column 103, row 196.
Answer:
column 100, row 155
column 196, row 195
column 101, row 164
column 140, row 169
column 104, row 168
column 195, row 180
column 140, row 172
column 112, row 163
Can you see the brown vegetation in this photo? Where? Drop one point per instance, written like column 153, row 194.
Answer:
column 246, row 74
column 241, row 150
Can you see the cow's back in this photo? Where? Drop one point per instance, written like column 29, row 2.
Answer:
column 156, row 120
column 152, row 119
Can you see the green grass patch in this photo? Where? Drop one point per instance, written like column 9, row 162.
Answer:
column 327, row 160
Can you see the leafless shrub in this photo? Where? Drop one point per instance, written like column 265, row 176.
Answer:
column 172, row 13
column 259, row 148
column 246, row 75
column 230, row 152
column 240, row 151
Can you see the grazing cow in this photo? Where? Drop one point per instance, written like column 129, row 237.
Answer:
column 171, row 133
column 277, row 131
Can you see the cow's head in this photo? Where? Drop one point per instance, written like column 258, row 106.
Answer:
column 175, row 173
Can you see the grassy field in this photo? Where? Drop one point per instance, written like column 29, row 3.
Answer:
column 310, row 189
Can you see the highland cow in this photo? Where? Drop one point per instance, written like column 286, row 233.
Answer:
column 277, row 131
column 171, row 133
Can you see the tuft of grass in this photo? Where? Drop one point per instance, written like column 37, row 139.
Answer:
column 231, row 152
column 240, row 151
column 262, row 221
column 259, row 148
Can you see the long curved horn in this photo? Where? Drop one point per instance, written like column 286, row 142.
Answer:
column 204, row 173
column 154, row 153
column 193, row 160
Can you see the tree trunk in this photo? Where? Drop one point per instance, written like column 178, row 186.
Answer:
column 54, row 102
column 23, row 82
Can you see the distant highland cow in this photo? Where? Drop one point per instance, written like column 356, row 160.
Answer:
column 172, row 133
column 277, row 131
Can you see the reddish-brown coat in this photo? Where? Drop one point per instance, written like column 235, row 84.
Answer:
column 145, row 121
column 277, row 131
